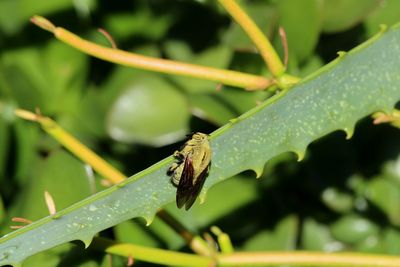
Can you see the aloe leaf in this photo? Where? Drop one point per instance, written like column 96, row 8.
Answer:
column 363, row 81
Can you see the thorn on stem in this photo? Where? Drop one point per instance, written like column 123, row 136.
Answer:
column 282, row 34
column 211, row 242
column 38, row 112
column 130, row 261
column 20, row 220
column 108, row 37
column 105, row 183
column 51, row 206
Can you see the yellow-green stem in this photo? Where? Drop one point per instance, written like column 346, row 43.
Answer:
column 228, row 77
column 153, row 255
column 262, row 43
column 307, row 259
column 76, row 147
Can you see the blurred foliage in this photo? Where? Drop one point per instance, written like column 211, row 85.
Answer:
column 345, row 195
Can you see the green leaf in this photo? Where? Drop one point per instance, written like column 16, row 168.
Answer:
column 391, row 238
column 358, row 83
column 2, row 211
column 302, row 28
column 385, row 194
column 62, row 175
column 4, row 144
column 131, row 120
column 317, row 236
column 217, row 57
column 50, row 79
column 15, row 13
column 263, row 14
column 387, row 13
column 340, row 15
column 141, row 22
column 282, row 237
column 353, row 229
column 337, row 200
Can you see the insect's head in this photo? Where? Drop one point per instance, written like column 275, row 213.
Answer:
column 199, row 136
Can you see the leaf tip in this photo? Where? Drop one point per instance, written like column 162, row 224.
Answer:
column 300, row 153
column 382, row 28
column 341, row 53
column 258, row 171
column 148, row 218
column 349, row 132
column 87, row 241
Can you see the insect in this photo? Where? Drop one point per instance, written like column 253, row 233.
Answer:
column 191, row 169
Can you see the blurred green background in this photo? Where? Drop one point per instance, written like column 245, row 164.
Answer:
column 345, row 195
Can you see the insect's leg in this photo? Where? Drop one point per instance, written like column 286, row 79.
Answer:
column 172, row 168
column 177, row 154
column 175, row 179
column 177, row 173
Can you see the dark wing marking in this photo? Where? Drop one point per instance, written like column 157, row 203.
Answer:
column 196, row 188
column 189, row 187
column 185, row 183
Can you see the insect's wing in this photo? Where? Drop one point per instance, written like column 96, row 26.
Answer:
column 185, row 183
column 189, row 187
column 196, row 188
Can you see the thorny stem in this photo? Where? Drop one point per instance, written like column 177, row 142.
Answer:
column 228, row 77
column 106, row 170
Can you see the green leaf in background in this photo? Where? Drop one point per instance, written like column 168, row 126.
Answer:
column 282, row 237
column 352, row 229
column 131, row 120
column 217, row 57
column 387, row 13
column 392, row 240
column 236, row 193
column 141, row 22
column 14, row 14
column 339, row 15
column 65, row 69
column 317, row 236
column 5, row 145
column 264, row 15
column 302, row 28
column 2, row 210
column 385, row 194
column 27, row 136
column 337, row 200
column 49, row 258
column 66, row 185
column 26, row 80
column 49, row 79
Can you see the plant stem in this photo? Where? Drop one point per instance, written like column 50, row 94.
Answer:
column 307, row 259
column 107, row 171
column 228, row 77
column 73, row 145
column 153, row 255
column 262, row 43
